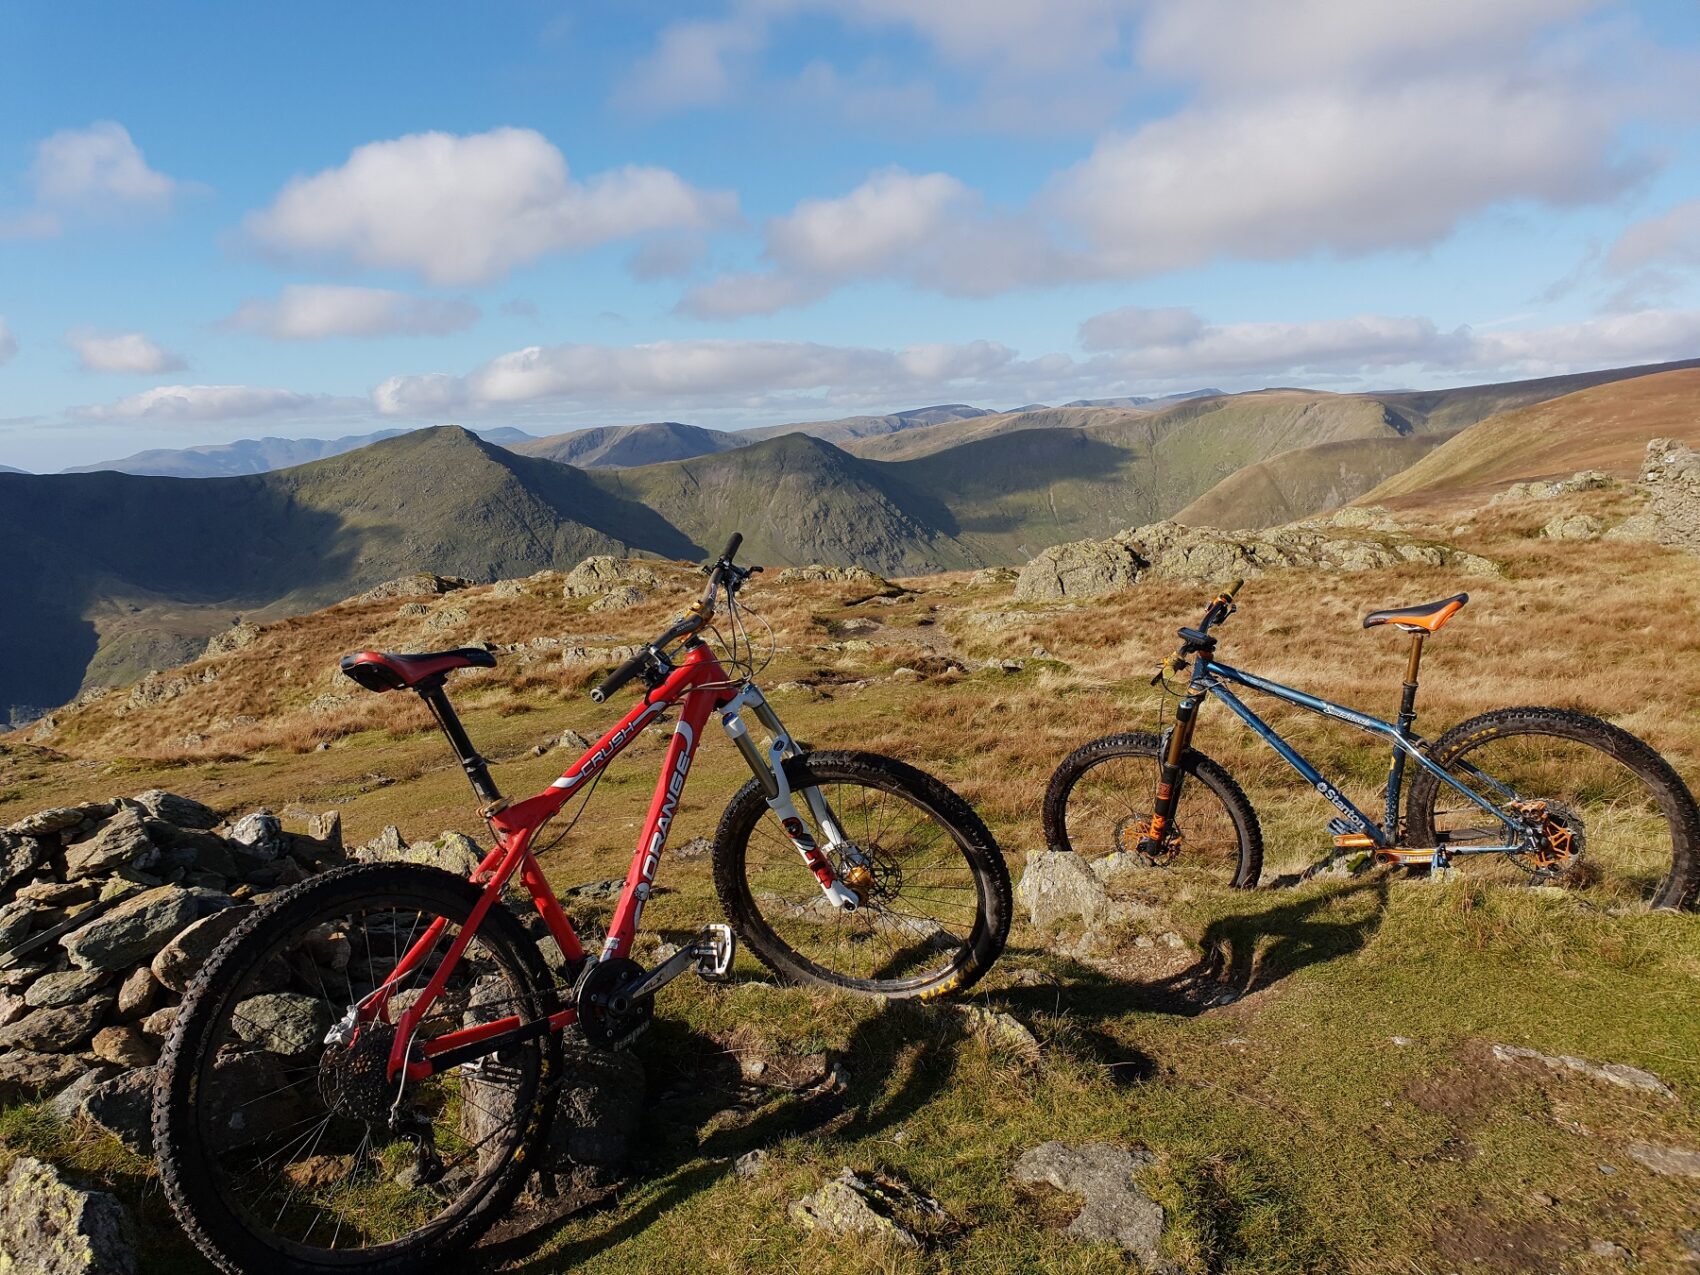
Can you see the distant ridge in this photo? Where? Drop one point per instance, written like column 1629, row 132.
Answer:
column 256, row 455
column 618, row 446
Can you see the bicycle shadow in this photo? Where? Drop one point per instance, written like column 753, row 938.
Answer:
column 900, row 1059
column 706, row 1115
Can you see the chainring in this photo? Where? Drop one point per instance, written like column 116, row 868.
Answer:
column 603, row 1024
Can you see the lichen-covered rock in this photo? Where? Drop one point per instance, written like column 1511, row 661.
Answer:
column 61, row 1029
column 132, row 931
column 181, row 958
column 1670, row 479
column 234, row 638
column 123, row 841
column 1059, row 886
column 602, row 572
column 29, row 1073
column 1573, row 527
column 987, row 577
column 68, row 987
column 1114, row 1206
column 46, row 823
column 422, row 584
column 453, row 852
column 1082, row 569
column 619, row 598
column 284, row 1023
column 49, row 1227
column 123, row 1106
column 259, row 835
column 1547, row 489
column 818, row 573
column 870, row 1207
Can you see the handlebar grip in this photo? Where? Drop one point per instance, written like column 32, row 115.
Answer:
column 1232, row 589
column 620, row 676
column 728, row 553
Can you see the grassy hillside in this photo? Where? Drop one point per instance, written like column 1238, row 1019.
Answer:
column 1305, row 481
column 1605, row 428
column 913, row 444
column 614, row 446
column 1456, row 408
column 798, row 499
column 1309, row 1067
column 149, row 550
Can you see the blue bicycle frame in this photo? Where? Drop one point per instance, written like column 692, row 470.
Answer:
column 1208, row 678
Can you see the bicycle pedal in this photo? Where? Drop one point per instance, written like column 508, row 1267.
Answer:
column 716, row 947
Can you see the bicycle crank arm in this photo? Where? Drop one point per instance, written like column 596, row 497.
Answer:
column 711, row 955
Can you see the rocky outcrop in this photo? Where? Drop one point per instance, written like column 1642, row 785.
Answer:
column 1670, row 479
column 49, row 1227
column 871, row 1207
column 817, row 573
column 1548, row 489
column 1114, row 1206
column 107, row 911
column 422, row 584
column 1352, row 540
column 234, row 638
column 1573, row 527
column 597, row 575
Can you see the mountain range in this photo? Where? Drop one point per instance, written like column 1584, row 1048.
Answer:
column 112, row 574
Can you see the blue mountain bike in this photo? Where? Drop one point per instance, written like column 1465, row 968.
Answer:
column 1566, row 798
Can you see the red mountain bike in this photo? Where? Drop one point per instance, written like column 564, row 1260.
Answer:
column 361, row 1076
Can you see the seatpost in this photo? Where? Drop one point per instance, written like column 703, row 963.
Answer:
column 477, row 771
column 1407, row 715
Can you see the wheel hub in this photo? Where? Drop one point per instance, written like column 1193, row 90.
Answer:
column 1133, row 836
column 873, row 873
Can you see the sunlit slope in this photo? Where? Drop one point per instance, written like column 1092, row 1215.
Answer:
column 1605, row 427
column 1306, row 481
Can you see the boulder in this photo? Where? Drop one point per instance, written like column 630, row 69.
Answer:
column 27, row 1073
column 1573, row 527
column 817, row 573
column 234, row 638
column 179, row 811
column 123, row 1106
column 123, row 841
column 1082, row 569
column 1670, row 479
column 133, row 930
column 1058, row 885
column 1114, row 1206
column 49, row 1227
column 136, row 995
column 124, row 1046
column 421, row 584
column 63, row 1029
column 602, row 572
column 70, row 987
column 47, row 823
column 259, row 836
column 19, row 857
column 870, row 1207
column 283, row 1023
column 453, row 852
column 180, row 959
column 987, row 577
column 619, row 598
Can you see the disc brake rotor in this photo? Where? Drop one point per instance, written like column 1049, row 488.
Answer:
column 1133, row 836
column 1560, row 837
column 873, row 872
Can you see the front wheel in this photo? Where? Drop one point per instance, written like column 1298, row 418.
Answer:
column 935, row 890
column 1101, row 798
column 1600, row 809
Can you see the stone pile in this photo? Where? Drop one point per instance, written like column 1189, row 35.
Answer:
column 1670, row 479
column 107, row 911
column 1354, row 540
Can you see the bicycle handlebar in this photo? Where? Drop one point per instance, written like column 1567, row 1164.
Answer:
column 720, row 572
column 1220, row 608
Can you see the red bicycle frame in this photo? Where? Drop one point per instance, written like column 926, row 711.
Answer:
column 699, row 684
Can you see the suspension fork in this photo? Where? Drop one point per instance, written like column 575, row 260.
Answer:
column 1176, row 741
column 769, row 770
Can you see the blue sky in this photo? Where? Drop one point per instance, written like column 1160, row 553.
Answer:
column 226, row 221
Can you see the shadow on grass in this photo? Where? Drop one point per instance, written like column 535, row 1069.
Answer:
column 703, row 1117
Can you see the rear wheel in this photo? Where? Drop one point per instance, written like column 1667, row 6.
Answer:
column 936, row 894
column 1604, row 811
column 282, row 1149
column 1101, row 798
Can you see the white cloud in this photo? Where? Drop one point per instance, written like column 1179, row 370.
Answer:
column 667, row 256
column 95, row 165
column 1670, row 239
column 1350, row 173
column 1234, row 45
column 692, row 63
column 96, row 172
column 312, row 312
column 1172, row 350
column 696, row 372
column 132, row 352
column 8, row 343
column 195, row 403
column 465, row 209
column 885, row 226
